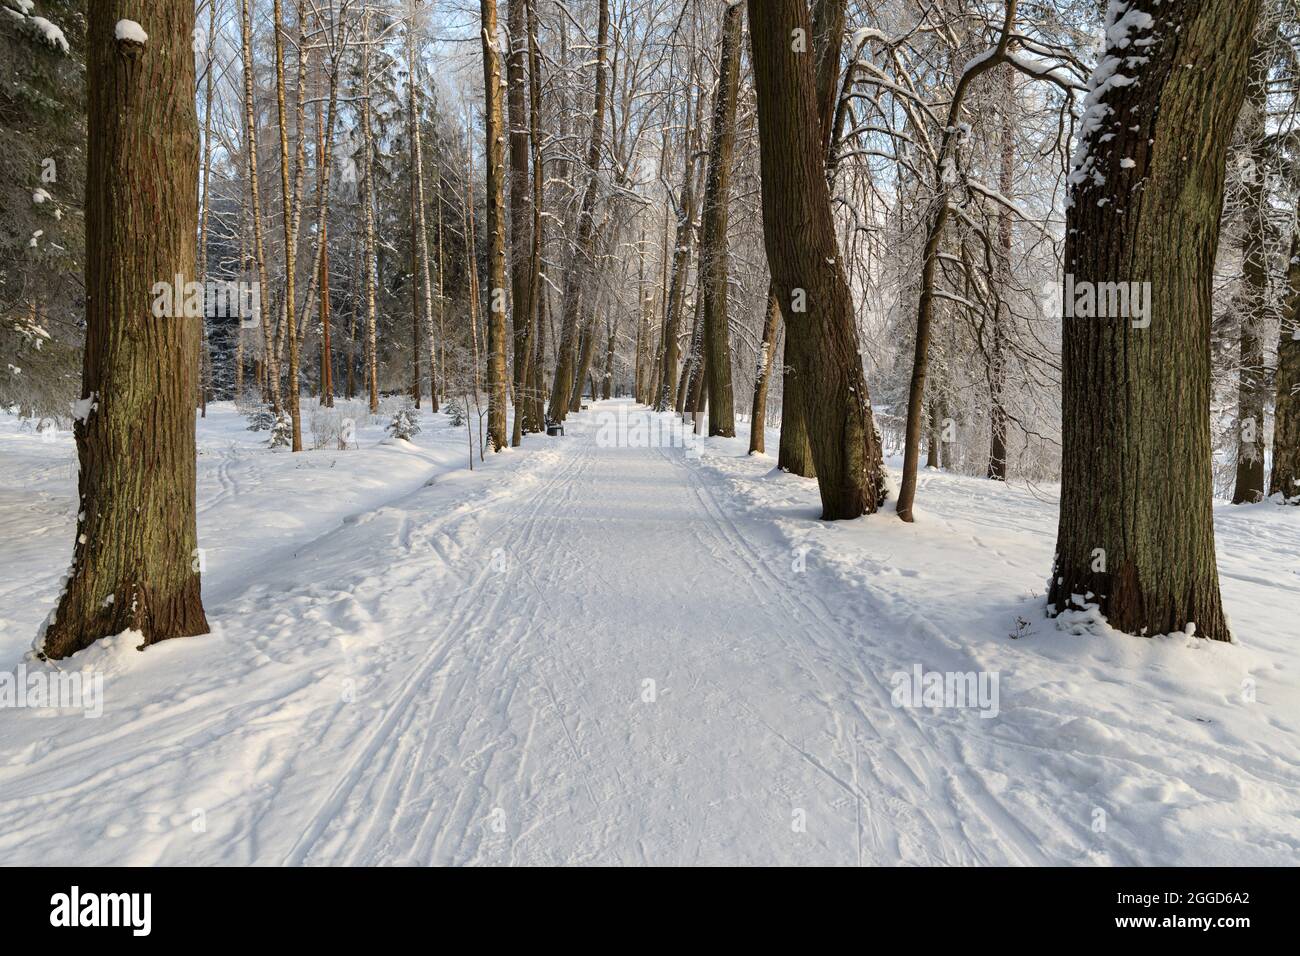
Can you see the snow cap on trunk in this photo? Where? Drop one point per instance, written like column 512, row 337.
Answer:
column 130, row 31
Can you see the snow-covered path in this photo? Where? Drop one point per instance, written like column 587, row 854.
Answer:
column 591, row 654
column 529, row 708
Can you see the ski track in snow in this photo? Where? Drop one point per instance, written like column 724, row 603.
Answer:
column 412, row 664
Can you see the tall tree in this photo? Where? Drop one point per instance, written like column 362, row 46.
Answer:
column 763, row 375
column 520, row 215
column 940, row 210
column 676, row 296
column 287, row 215
column 536, row 294
column 369, row 279
column 997, row 346
column 713, row 238
column 1136, row 535
column 421, row 286
column 580, row 260
column 1251, row 304
column 807, row 271
column 496, row 226
column 270, row 366
column 794, row 453
column 134, row 564
column 1285, row 477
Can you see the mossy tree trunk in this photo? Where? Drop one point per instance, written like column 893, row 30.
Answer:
column 135, row 562
column 1136, row 535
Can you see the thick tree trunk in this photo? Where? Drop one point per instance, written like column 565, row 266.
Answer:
column 763, row 376
column 583, row 243
column 135, row 561
column 803, row 254
column 794, row 452
column 1136, row 536
column 713, row 240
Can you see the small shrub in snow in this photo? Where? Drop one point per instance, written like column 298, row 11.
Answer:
column 405, row 424
column 261, row 419
column 455, row 410
column 282, row 432
column 332, row 428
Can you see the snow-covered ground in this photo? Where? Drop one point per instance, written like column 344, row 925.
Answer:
column 579, row 653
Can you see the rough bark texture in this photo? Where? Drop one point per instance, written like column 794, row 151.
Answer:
column 134, row 564
column 802, row 251
column 580, row 260
column 713, row 239
column 520, row 214
column 763, row 375
column 496, row 227
column 794, row 453
column 1136, row 472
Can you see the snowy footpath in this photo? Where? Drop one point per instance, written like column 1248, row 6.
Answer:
column 584, row 652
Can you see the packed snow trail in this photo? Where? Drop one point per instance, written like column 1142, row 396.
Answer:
column 530, row 710
column 588, row 654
